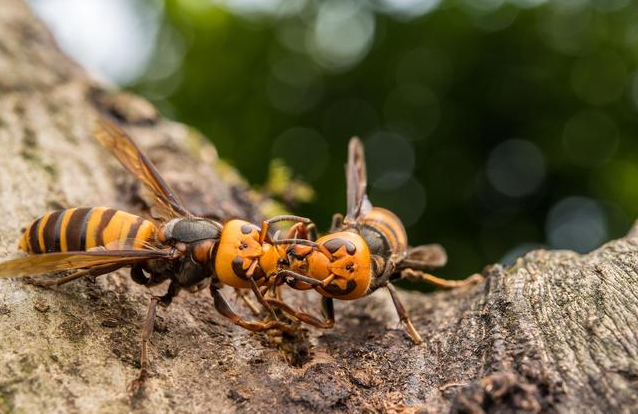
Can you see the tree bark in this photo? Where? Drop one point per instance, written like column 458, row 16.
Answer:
column 556, row 332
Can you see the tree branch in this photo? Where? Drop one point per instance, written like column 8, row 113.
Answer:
column 556, row 332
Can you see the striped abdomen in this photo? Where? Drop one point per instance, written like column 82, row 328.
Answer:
column 78, row 229
column 384, row 233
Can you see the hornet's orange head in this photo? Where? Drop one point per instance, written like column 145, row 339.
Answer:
column 341, row 259
column 238, row 247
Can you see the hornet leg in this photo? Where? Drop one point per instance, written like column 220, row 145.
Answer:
column 306, row 222
column 302, row 231
column 263, row 235
column 260, row 297
column 147, row 331
column 403, row 315
column 283, row 274
column 418, row 276
column 255, row 288
column 224, row 308
column 327, row 307
column 244, row 297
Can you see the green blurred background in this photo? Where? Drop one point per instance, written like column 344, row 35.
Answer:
column 491, row 126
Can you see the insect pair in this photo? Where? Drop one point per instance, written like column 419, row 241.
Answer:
column 364, row 251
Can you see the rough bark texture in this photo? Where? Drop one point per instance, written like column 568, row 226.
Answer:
column 556, row 332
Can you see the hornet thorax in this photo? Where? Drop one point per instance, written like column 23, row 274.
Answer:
column 196, row 239
column 387, row 240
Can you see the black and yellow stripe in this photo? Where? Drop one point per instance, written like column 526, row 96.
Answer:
column 79, row 229
column 389, row 227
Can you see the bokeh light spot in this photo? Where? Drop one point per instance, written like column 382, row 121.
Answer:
column 482, row 6
column 407, row 200
column 570, row 5
column 295, row 85
column 291, row 34
column 590, row 138
column 516, row 168
column 599, row 78
column 343, row 34
column 295, row 70
column 610, row 5
column 408, row 8
column 617, row 181
column 390, row 160
column 499, row 19
column 527, row 4
column 263, row 7
column 576, row 223
column 566, row 26
column 113, row 39
column 518, row 251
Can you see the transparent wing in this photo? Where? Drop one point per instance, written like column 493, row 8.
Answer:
column 52, row 262
column 356, row 179
column 429, row 256
column 128, row 154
